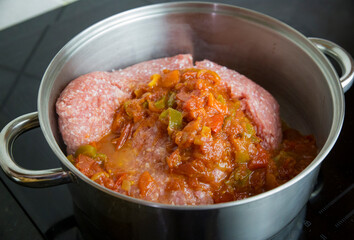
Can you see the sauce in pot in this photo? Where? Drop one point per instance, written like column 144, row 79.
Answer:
column 182, row 139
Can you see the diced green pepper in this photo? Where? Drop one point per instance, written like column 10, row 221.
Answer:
column 242, row 156
column 126, row 105
column 255, row 139
column 145, row 104
column 87, row 150
column 160, row 104
column 241, row 175
column 221, row 99
column 249, row 128
column 174, row 118
column 171, row 100
column 237, row 105
column 101, row 157
column 71, row 158
column 234, row 108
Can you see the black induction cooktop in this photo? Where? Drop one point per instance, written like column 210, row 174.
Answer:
column 26, row 50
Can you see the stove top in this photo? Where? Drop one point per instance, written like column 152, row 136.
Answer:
column 26, row 50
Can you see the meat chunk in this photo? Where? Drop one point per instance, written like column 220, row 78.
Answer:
column 86, row 109
column 259, row 104
column 87, row 105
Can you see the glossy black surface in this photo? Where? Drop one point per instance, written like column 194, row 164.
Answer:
column 26, row 50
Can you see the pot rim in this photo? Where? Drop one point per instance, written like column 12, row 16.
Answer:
column 136, row 14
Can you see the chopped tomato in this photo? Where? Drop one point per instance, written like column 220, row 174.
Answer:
column 258, row 159
column 170, row 79
column 220, row 107
column 174, row 159
column 87, row 165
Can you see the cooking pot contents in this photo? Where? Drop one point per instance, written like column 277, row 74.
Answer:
column 171, row 132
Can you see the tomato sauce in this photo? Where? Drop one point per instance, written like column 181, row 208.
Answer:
column 182, row 139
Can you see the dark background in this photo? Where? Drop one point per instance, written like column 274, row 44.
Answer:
column 26, row 50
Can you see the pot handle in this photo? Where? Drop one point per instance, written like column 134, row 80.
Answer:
column 341, row 56
column 29, row 178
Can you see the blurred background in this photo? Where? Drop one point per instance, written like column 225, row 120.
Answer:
column 32, row 32
column 13, row 12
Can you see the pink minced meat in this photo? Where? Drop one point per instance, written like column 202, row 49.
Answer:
column 87, row 105
column 86, row 109
column 259, row 104
column 140, row 73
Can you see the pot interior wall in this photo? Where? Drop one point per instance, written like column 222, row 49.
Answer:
column 260, row 50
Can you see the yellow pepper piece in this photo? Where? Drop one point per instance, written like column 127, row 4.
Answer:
column 154, row 80
column 138, row 92
column 71, row 158
column 206, row 131
column 99, row 175
column 170, row 79
column 126, row 184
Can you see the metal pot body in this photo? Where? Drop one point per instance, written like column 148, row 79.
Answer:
column 288, row 65
column 103, row 216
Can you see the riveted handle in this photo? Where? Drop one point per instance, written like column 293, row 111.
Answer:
column 29, row 178
column 341, row 56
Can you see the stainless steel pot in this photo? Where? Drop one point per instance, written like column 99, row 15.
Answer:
column 292, row 67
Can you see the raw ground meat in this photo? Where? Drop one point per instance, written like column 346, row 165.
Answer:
column 127, row 78
column 259, row 104
column 86, row 106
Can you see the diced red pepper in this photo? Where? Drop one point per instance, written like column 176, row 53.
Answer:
column 194, row 103
column 258, row 160
column 170, row 79
column 212, row 102
column 174, row 160
column 87, row 165
column 120, row 179
column 215, row 122
column 146, row 184
column 124, row 136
